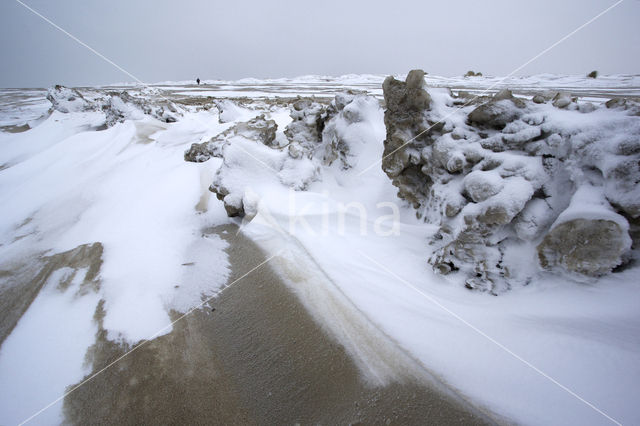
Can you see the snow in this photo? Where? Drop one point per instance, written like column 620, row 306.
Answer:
column 349, row 247
column 481, row 185
column 582, row 336
column 20, row 146
column 46, row 351
column 590, row 203
column 129, row 190
column 230, row 112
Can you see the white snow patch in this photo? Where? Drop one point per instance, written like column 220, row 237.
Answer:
column 45, row 352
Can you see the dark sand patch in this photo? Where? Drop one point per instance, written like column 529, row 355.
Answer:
column 14, row 128
column 254, row 356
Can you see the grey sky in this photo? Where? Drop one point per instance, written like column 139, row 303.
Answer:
column 160, row 40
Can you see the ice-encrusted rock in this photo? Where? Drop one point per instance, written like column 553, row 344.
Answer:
column 305, row 130
column 116, row 106
column 232, row 201
column 499, row 111
column 481, row 185
column 201, row 152
column 562, row 100
column 258, row 128
column 323, row 132
column 319, row 136
column 500, row 175
column 408, row 132
column 120, row 106
column 229, row 111
column 630, row 105
column 446, row 152
column 588, row 238
column 539, row 99
column 66, row 100
column 347, row 127
column 584, row 246
column 586, row 107
column 404, row 119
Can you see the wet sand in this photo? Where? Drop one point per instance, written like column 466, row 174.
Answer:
column 255, row 356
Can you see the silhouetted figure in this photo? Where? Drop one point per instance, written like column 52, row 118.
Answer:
column 198, row 81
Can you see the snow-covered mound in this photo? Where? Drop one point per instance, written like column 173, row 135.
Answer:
column 514, row 183
column 116, row 106
column 318, row 136
column 67, row 100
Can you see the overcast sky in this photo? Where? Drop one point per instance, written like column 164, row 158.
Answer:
column 158, row 40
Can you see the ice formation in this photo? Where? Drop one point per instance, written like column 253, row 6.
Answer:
column 560, row 178
column 319, row 135
column 117, row 106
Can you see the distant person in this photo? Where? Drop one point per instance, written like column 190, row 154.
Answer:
column 198, row 81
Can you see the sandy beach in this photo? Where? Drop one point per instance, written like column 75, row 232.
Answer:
column 254, row 356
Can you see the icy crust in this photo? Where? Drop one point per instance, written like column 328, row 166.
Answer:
column 116, row 106
column 502, row 172
column 319, row 136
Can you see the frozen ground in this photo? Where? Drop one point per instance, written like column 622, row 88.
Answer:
column 67, row 182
